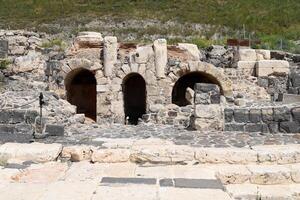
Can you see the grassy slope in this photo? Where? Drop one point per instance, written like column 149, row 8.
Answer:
column 265, row 17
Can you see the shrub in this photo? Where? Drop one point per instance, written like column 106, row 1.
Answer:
column 4, row 63
column 55, row 42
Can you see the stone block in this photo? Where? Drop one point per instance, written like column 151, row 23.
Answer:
column 228, row 114
column 110, row 155
column 273, row 127
column 109, row 54
column 255, row 115
column 253, row 127
column 289, row 127
column 102, row 88
column 241, row 115
column 192, row 49
column 296, row 114
column 54, row 130
column 3, row 48
column 77, row 153
column 12, row 116
column 161, row 57
column 269, row 175
column 204, row 124
column 247, row 67
column 262, row 54
column 234, row 127
column 267, row 114
column 295, row 173
column 247, row 55
column 35, row 152
column 233, row 174
column 88, row 40
column 143, row 54
column 268, row 67
column 282, row 114
column 208, row 111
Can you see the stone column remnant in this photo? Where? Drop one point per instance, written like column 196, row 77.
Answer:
column 110, row 54
column 161, row 57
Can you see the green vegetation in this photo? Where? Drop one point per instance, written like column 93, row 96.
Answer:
column 3, row 160
column 4, row 63
column 264, row 18
column 55, row 42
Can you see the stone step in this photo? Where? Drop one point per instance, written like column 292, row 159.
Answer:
column 260, row 174
column 255, row 192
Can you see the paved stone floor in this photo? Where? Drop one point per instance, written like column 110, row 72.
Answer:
column 92, row 135
column 86, row 181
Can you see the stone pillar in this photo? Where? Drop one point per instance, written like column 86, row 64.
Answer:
column 110, row 54
column 161, row 57
column 208, row 111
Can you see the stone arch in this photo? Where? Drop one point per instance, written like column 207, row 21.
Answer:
column 81, row 86
column 210, row 71
column 134, row 97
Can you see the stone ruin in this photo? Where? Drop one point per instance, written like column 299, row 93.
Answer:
column 100, row 80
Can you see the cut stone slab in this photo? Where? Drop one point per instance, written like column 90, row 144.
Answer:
column 120, row 170
column 35, row 152
column 88, row 40
column 247, row 67
column 110, row 155
column 269, row 174
column 69, row 190
column 225, row 155
column 281, row 154
column 77, row 153
column 22, row 191
column 233, row 174
column 192, row 49
column 42, row 173
column 247, row 55
column 254, row 192
column 130, row 180
column 295, row 173
column 198, row 183
column 268, row 67
column 169, row 193
column 132, row 192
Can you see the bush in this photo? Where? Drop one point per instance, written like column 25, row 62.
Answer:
column 4, row 64
column 55, row 42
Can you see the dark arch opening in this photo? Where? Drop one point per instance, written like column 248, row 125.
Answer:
column 189, row 80
column 81, row 92
column 134, row 92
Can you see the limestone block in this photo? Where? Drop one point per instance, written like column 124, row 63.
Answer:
column 295, row 173
column 161, row 154
column 269, row 175
column 204, row 124
column 281, row 154
column 117, row 107
column 192, row 49
column 102, row 88
column 30, row 62
column 208, row 111
column 247, row 67
column 247, row 55
column 36, row 152
column 233, row 174
column 80, row 63
column 226, row 155
column 110, row 155
column 161, row 57
column 263, row 54
column 189, row 95
column 17, row 50
column 268, row 67
column 110, row 54
column 143, row 54
column 77, row 153
column 88, row 40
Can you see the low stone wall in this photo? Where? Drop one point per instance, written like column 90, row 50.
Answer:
column 284, row 119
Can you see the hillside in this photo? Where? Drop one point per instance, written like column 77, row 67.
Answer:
column 260, row 18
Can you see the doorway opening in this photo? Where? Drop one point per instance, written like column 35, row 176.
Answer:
column 81, row 91
column 134, row 93
column 188, row 81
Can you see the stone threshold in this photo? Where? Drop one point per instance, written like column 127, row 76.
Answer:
column 166, row 182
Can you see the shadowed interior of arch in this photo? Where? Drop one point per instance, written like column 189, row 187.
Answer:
column 134, row 93
column 81, row 91
column 189, row 80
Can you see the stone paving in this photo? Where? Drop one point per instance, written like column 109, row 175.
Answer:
column 93, row 134
column 83, row 180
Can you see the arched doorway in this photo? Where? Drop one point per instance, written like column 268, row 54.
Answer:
column 81, row 91
column 189, row 80
column 134, row 93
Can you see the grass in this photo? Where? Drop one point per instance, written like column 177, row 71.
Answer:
column 55, row 42
column 266, row 18
column 4, row 64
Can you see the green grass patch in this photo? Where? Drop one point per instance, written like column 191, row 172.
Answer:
column 55, row 43
column 4, row 63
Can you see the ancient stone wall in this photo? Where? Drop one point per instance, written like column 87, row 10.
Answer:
column 268, row 119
